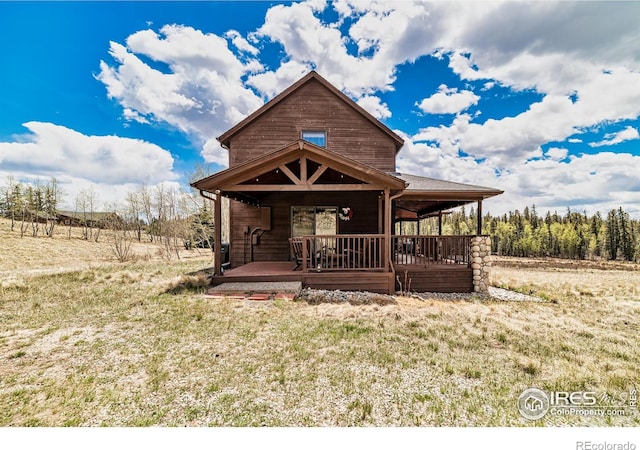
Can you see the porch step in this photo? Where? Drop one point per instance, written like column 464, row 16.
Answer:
column 267, row 287
column 256, row 291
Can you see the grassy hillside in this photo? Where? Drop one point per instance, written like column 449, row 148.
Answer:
column 107, row 343
column 67, row 250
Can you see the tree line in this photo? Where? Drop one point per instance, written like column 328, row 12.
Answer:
column 31, row 207
column 571, row 235
column 176, row 219
column 171, row 217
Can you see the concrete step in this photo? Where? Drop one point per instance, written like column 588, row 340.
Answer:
column 256, row 291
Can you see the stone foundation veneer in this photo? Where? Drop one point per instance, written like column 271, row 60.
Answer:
column 481, row 262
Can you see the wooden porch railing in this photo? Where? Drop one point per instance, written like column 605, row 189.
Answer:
column 343, row 252
column 425, row 250
column 358, row 252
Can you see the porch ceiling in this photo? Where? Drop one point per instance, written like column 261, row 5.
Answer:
column 424, row 196
column 418, row 209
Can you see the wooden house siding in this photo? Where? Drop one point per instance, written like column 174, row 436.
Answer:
column 314, row 107
column 274, row 245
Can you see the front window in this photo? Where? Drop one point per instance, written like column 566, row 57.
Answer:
column 318, row 138
column 314, row 220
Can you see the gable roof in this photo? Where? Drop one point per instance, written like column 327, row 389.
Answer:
column 225, row 138
column 237, row 182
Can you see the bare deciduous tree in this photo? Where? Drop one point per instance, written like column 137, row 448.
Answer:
column 119, row 234
column 52, row 196
column 146, row 204
column 86, row 207
column 134, row 210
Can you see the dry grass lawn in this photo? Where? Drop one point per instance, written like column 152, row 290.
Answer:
column 96, row 342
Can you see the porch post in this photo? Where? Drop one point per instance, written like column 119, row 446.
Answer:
column 479, row 230
column 217, row 246
column 380, row 216
column 387, row 228
column 480, row 250
column 439, row 223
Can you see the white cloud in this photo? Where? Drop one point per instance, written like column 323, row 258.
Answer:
column 448, row 101
column 556, row 153
column 586, row 182
column 241, row 43
column 375, row 107
column 309, row 42
column 111, row 164
column 504, row 42
column 272, row 83
column 129, row 114
column 396, row 32
column 628, row 134
column 198, row 89
column 51, row 149
column 582, row 58
column 442, row 163
column 317, row 5
column 488, row 85
column 513, row 140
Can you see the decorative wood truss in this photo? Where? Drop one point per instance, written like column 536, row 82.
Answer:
column 298, row 167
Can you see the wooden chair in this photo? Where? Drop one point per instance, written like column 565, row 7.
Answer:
column 296, row 250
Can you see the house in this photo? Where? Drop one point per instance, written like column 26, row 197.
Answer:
column 315, row 197
column 89, row 219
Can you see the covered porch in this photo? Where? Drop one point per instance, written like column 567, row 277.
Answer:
column 429, row 264
column 417, row 263
column 303, row 213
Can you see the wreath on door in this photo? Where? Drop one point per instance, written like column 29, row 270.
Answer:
column 345, row 213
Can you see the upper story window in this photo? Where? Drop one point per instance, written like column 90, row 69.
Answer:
column 318, row 138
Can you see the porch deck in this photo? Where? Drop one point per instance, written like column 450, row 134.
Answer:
column 382, row 282
column 423, row 278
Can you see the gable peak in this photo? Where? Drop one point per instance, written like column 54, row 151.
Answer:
column 225, row 138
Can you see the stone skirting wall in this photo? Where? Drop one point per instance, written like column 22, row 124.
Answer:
column 481, row 262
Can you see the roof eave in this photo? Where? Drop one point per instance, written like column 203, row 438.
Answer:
column 451, row 195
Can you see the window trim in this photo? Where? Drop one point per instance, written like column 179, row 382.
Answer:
column 316, row 131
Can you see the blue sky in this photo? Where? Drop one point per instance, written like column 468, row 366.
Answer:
column 540, row 99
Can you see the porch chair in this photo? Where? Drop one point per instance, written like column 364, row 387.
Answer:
column 295, row 245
